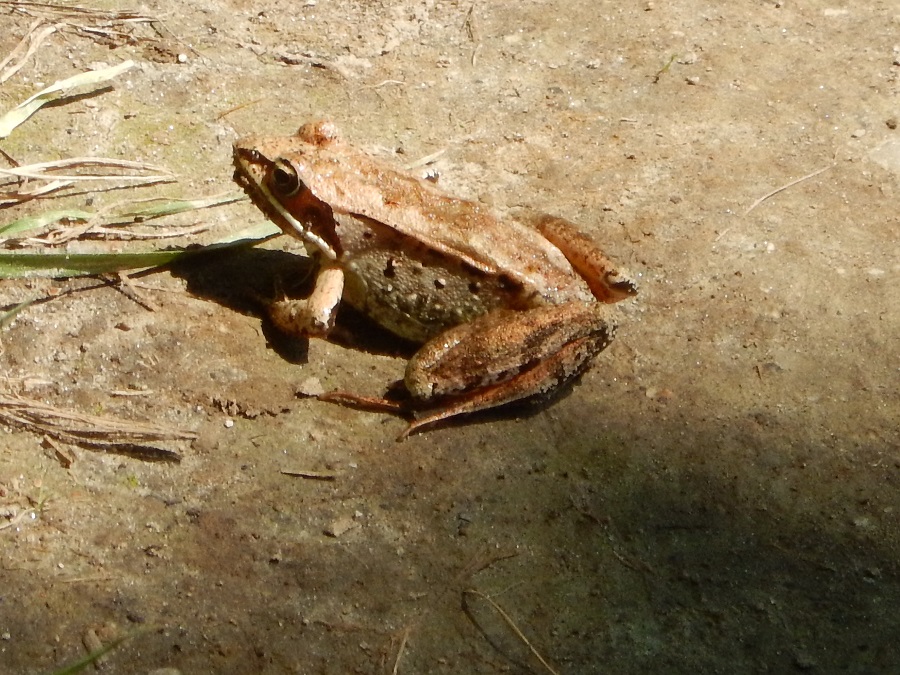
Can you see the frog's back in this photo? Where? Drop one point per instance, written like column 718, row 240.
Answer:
column 353, row 183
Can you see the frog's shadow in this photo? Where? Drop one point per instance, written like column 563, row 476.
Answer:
column 245, row 279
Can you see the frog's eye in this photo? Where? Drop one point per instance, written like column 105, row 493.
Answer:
column 285, row 180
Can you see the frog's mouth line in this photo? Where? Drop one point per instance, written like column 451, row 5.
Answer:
column 263, row 198
column 259, row 199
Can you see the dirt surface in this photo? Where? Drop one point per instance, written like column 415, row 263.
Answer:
column 719, row 493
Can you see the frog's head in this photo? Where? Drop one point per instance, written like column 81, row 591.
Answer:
column 270, row 170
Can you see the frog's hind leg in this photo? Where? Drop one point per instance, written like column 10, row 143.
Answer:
column 542, row 380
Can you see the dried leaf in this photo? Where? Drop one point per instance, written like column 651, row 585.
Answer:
column 27, row 108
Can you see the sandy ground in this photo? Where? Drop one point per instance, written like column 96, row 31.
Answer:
column 719, row 493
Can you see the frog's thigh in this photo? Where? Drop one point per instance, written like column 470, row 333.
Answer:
column 540, row 380
column 312, row 316
column 504, row 345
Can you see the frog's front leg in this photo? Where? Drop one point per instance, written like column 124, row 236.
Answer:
column 313, row 316
column 506, row 356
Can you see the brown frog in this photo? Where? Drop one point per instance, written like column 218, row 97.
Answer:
column 504, row 309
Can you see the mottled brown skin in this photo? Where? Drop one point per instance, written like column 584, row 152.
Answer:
column 504, row 310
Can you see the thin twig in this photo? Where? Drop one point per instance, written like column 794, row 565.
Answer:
column 18, row 518
column 512, row 624
column 131, row 392
column 134, row 294
column 473, row 32
column 109, row 233
column 313, row 475
column 400, row 650
column 785, row 187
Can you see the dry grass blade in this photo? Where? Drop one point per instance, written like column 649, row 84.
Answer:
column 78, row 428
column 169, row 207
column 400, row 650
column 67, row 224
column 28, row 45
column 33, row 191
column 73, row 11
column 43, row 170
column 110, row 232
column 786, row 186
column 507, row 619
column 113, row 226
column 31, row 105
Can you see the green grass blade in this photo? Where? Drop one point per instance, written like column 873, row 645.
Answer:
column 84, row 662
column 7, row 317
column 171, row 207
column 42, row 220
column 58, row 265
column 18, row 265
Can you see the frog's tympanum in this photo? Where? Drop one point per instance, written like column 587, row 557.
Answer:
column 504, row 308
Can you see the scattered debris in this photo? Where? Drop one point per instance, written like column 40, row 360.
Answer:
column 93, row 431
column 313, row 475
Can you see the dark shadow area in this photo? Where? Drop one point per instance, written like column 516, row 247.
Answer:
column 64, row 101
column 683, row 571
column 245, row 279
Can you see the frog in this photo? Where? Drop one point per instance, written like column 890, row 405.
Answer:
column 504, row 307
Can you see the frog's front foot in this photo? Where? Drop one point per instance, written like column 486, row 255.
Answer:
column 313, row 316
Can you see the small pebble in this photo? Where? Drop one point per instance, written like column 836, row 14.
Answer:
column 339, row 526
column 311, row 387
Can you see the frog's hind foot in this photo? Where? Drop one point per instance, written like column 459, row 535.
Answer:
column 394, row 403
column 368, row 403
